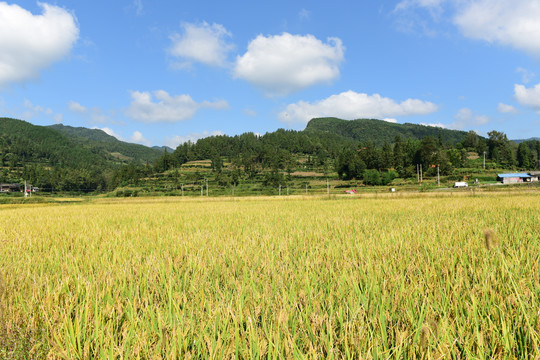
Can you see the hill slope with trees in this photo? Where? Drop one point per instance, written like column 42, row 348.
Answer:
column 379, row 132
column 98, row 139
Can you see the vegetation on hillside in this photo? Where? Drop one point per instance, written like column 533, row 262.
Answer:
column 64, row 158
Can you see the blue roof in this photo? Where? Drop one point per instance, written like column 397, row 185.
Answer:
column 521, row 175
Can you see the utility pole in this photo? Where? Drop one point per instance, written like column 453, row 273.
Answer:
column 279, row 189
column 202, row 189
column 206, row 187
column 438, row 177
column 182, row 189
column 484, row 160
column 417, row 172
column 327, row 187
column 287, row 190
column 25, row 192
column 421, row 178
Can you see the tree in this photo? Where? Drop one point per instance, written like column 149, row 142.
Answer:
column 372, row 177
column 524, row 156
column 499, row 148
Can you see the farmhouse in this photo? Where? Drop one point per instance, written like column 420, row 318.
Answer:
column 514, row 178
column 5, row 188
column 535, row 175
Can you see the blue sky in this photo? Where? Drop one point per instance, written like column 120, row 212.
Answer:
column 164, row 72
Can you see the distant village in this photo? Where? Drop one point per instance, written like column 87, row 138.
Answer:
column 10, row 188
column 503, row 179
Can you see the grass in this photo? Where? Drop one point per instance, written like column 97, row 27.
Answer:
column 375, row 276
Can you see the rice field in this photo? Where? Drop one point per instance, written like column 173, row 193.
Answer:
column 391, row 277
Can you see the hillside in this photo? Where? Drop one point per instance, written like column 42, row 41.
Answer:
column 22, row 142
column 379, row 131
column 98, row 139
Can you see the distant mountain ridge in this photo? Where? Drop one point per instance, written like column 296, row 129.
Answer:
column 99, row 139
column 380, row 131
column 519, row 141
column 67, row 146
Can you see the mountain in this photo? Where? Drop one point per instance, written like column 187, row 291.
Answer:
column 379, row 131
column 22, row 142
column 74, row 147
column 99, row 140
column 523, row 140
column 163, row 148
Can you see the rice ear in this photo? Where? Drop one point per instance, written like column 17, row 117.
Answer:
column 490, row 239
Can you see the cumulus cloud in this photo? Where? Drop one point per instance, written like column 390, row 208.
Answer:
column 77, row 107
column 167, row 108
column 138, row 138
column 282, row 64
column 174, row 141
column 30, row 43
column 205, row 43
column 352, row 105
column 528, row 96
column 505, row 109
column 512, row 23
column 465, row 118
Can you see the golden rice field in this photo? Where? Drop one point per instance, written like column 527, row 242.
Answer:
column 355, row 278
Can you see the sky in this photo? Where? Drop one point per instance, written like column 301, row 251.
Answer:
column 165, row 72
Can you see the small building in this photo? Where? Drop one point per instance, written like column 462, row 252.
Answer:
column 7, row 188
column 535, row 175
column 514, row 178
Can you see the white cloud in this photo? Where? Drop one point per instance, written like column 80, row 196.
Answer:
column 167, row 108
column 174, row 141
column 512, row 23
column 352, row 105
column 282, row 64
column 504, row 108
column 138, row 138
column 76, row 107
column 526, row 75
column 440, row 125
column 390, row 120
column 109, row 131
column 465, row 118
column 30, row 43
column 94, row 114
column 201, row 43
column 138, row 5
column 528, row 96
column 31, row 111
column 432, row 5
column 304, row 14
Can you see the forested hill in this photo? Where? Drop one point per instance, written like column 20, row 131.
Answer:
column 22, row 143
column 379, row 131
column 99, row 140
